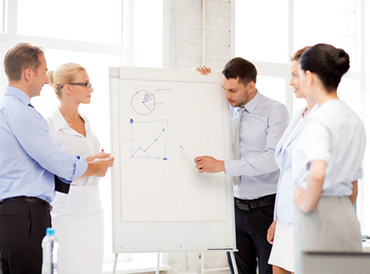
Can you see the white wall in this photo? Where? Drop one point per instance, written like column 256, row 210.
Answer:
column 186, row 35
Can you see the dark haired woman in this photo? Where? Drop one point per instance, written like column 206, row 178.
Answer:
column 327, row 159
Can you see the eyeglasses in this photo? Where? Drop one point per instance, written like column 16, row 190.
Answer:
column 86, row 84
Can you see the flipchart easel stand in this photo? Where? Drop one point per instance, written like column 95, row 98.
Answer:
column 203, row 270
column 232, row 256
column 116, row 261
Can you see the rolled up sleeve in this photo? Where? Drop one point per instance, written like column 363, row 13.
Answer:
column 35, row 139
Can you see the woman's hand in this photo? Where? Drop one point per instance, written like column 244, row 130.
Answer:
column 100, row 155
column 271, row 233
column 299, row 198
column 307, row 199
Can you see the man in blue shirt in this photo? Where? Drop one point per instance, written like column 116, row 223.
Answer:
column 30, row 162
column 257, row 123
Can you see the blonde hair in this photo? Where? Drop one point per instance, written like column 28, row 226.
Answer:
column 297, row 55
column 62, row 75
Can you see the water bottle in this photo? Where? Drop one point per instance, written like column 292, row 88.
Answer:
column 49, row 253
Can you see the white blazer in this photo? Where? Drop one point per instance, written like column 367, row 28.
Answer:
column 284, row 207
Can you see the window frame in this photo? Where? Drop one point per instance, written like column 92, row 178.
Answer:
column 124, row 52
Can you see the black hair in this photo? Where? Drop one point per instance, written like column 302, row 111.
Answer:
column 242, row 69
column 328, row 62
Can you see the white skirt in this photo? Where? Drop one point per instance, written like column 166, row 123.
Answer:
column 282, row 252
column 77, row 218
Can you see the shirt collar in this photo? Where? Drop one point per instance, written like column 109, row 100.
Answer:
column 20, row 94
column 61, row 123
column 58, row 120
column 252, row 104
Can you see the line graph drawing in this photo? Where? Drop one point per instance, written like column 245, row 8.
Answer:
column 143, row 102
column 148, row 140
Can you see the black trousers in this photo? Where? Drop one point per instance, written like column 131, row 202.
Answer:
column 23, row 223
column 251, row 230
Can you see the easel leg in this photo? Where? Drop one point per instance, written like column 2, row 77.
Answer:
column 202, row 263
column 158, row 262
column 234, row 263
column 115, row 263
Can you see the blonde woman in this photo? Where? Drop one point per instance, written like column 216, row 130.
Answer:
column 78, row 216
column 281, row 233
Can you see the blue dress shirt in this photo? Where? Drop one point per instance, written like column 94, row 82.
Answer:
column 29, row 157
column 261, row 126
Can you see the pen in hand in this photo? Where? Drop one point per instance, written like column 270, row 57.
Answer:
column 187, row 152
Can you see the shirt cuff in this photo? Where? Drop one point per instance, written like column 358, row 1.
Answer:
column 80, row 167
column 64, row 180
column 359, row 174
column 231, row 167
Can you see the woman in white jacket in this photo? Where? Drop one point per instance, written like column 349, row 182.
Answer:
column 281, row 232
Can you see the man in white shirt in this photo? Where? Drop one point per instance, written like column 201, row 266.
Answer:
column 257, row 123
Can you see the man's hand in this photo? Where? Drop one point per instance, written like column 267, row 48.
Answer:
column 203, row 70
column 209, row 164
column 271, row 233
column 98, row 167
column 102, row 166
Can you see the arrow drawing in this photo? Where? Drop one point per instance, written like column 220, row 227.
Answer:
column 143, row 144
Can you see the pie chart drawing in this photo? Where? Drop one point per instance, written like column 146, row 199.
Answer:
column 143, row 102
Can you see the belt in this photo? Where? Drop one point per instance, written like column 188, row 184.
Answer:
column 29, row 200
column 248, row 205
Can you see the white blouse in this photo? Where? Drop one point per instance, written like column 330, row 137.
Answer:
column 74, row 143
column 334, row 134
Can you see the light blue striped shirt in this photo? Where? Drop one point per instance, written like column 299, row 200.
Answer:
column 261, row 126
column 29, row 157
